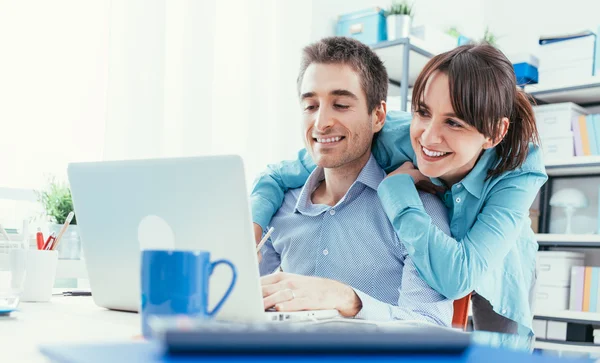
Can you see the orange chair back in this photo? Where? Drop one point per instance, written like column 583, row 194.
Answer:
column 461, row 312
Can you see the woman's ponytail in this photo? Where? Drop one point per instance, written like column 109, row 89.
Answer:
column 514, row 148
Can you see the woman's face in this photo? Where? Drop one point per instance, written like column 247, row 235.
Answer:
column 446, row 146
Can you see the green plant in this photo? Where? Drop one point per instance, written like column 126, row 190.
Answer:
column 489, row 37
column 453, row 31
column 57, row 201
column 400, row 8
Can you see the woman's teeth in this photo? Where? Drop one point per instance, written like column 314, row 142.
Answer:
column 433, row 153
column 329, row 140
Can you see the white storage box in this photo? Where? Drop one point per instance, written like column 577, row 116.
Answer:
column 554, row 267
column 516, row 58
column 539, row 328
column 554, row 120
column 557, row 330
column 558, row 147
column 437, row 40
column 552, row 299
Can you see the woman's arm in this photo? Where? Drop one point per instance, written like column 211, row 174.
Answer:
column 455, row 267
column 391, row 148
column 270, row 186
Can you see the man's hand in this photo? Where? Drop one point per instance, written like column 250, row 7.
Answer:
column 290, row 292
column 421, row 181
column 257, row 237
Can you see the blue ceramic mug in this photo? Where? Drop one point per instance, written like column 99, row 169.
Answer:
column 177, row 283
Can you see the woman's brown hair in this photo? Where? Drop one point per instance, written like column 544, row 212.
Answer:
column 483, row 90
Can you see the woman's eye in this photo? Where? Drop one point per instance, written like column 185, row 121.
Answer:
column 343, row 107
column 309, row 108
column 422, row 113
column 453, row 123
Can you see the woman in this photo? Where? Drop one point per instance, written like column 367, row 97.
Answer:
column 473, row 134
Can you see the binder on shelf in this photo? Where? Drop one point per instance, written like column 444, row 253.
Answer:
column 591, row 129
column 596, row 121
column 585, row 140
column 547, row 39
column 587, row 281
column 577, row 138
column 594, row 289
column 576, row 298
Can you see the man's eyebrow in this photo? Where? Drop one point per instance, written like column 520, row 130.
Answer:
column 308, row 95
column 343, row 92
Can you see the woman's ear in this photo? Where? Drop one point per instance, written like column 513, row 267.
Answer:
column 378, row 116
column 504, row 125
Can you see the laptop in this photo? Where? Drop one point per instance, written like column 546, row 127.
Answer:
column 195, row 203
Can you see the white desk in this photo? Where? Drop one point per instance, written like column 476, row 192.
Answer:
column 62, row 320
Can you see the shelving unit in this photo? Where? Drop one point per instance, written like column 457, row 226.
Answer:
column 574, row 166
column 585, row 94
column 569, row 316
column 404, row 59
column 568, row 240
column 569, row 347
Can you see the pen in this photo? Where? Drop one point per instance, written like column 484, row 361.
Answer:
column 264, row 239
column 62, row 230
column 49, row 241
column 39, row 238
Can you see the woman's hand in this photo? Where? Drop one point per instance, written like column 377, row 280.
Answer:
column 421, row 181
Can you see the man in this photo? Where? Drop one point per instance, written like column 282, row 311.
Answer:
column 332, row 237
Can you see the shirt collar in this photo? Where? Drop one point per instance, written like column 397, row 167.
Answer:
column 475, row 180
column 370, row 176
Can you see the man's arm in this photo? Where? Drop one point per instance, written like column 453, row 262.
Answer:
column 417, row 301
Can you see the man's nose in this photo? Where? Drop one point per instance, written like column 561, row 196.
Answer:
column 323, row 120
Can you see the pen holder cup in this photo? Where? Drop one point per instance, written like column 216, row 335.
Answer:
column 40, row 271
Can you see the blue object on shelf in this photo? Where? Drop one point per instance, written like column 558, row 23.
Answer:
column 525, row 73
column 367, row 26
column 462, row 40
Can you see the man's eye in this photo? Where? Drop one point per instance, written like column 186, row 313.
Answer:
column 343, row 107
column 309, row 108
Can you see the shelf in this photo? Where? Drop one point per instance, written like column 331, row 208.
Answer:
column 583, row 93
column 391, row 53
column 567, row 315
column 567, row 346
column 568, row 240
column 580, row 165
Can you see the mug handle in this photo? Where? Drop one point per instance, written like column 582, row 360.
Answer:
column 233, row 280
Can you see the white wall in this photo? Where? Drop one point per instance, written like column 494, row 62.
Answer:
column 52, row 87
column 519, row 23
column 467, row 15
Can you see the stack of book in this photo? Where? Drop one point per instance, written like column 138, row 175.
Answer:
column 586, row 134
column 567, row 58
column 584, row 289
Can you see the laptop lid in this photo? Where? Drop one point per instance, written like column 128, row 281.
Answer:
column 196, row 203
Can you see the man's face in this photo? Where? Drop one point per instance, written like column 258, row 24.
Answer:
column 338, row 128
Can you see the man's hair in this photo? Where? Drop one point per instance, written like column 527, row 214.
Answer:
column 348, row 51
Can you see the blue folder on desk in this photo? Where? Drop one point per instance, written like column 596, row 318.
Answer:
column 153, row 353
